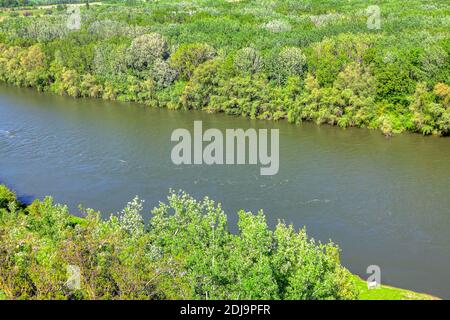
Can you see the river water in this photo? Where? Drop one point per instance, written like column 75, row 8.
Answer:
column 386, row 202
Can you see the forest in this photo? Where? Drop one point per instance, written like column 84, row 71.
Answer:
column 300, row 61
column 25, row 3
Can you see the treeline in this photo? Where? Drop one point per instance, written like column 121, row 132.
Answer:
column 184, row 251
column 275, row 60
column 25, row 3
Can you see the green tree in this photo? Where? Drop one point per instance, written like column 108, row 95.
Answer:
column 188, row 57
column 145, row 49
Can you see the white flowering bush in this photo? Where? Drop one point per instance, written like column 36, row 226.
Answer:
column 145, row 49
column 163, row 74
column 323, row 19
column 108, row 28
column 288, row 62
column 292, row 61
column 109, row 59
column 130, row 218
column 46, row 30
column 277, row 26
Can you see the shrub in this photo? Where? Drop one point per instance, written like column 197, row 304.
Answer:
column 6, row 197
column 329, row 56
column 163, row 74
column 254, row 264
column 289, row 62
column 248, row 60
column 203, row 84
column 145, row 49
column 185, row 252
column 277, row 26
column 188, row 57
column 109, row 60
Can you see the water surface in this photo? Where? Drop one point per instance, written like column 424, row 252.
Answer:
column 384, row 201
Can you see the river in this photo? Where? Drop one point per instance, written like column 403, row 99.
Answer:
column 386, row 202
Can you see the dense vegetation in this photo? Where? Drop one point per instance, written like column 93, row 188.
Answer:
column 184, row 251
column 24, row 3
column 267, row 59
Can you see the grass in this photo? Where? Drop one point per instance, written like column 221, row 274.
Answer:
column 388, row 293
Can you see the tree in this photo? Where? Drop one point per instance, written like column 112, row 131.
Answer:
column 329, row 56
column 145, row 49
column 188, row 57
column 289, row 62
column 202, row 85
column 248, row 60
column 163, row 74
column 6, row 197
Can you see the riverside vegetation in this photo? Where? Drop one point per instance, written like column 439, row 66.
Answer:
column 286, row 59
column 184, row 251
column 269, row 59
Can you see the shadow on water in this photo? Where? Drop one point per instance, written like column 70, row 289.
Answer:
column 26, row 199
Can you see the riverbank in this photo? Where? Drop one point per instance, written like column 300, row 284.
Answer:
column 386, row 292
column 254, row 61
column 48, row 234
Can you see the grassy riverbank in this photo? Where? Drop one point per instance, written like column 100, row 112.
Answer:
column 184, row 251
column 321, row 61
column 385, row 292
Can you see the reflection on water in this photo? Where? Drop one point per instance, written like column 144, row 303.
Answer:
column 384, row 201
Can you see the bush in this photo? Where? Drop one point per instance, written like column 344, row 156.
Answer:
column 248, row 60
column 163, row 74
column 185, row 252
column 145, row 49
column 277, row 26
column 188, row 57
column 6, row 197
column 254, row 264
column 289, row 62
column 203, row 84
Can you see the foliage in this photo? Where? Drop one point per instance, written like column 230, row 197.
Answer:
column 304, row 61
column 248, row 60
column 188, row 57
column 7, row 197
column 289, row 62
column 185, row 251
column 145, row 49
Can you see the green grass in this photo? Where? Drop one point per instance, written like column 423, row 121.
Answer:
column 388, row 293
